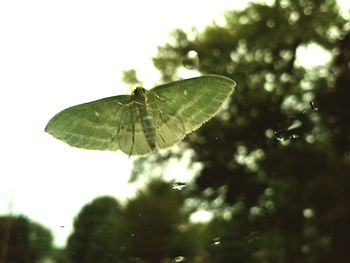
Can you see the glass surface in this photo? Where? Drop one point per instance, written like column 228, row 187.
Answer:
column 265, row 180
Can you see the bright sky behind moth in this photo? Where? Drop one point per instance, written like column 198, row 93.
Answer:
column 145, row 120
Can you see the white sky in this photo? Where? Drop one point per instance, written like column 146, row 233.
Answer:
column 55, row 54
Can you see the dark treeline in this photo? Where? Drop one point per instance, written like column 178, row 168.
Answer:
column 23, row 241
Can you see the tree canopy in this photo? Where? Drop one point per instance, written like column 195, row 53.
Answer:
column 23, row 241
column 150, row 228
column 281, row 148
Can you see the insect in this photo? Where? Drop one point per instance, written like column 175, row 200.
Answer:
column 145, row 120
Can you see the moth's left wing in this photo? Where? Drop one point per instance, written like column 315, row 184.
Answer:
column 91, row 125
column 183, row 106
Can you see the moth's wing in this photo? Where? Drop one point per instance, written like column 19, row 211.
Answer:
column 91, row 125
column 183, row 106
column 130, row 136
column 169, row 130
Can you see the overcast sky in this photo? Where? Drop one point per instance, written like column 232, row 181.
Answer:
column 55, row 54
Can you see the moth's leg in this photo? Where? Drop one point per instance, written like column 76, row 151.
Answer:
column 161, row 117
column 120, row 125
column 133, row 131
column 155, row 105
column 162, row 137
column 161, row 114
column 130, row 102
column 162, row 98
column 175, row 128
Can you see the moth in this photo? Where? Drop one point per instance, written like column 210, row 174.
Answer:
column 145, row 120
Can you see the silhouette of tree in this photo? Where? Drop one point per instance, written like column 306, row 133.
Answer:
column 98, row 233
column 22, row 241
column 158, row 228
column 152, row 227
column 282, row 161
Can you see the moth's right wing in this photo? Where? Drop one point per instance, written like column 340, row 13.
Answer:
column 183, row 106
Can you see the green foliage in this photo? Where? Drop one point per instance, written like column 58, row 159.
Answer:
column 98, row 233
column 130, row 77
column 153, row 219
column 23, row 241
column 151, row 227
column 283, row 164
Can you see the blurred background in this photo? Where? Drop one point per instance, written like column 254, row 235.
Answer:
column 266, row 180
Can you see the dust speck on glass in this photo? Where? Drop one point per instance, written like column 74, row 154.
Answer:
column 179, row 186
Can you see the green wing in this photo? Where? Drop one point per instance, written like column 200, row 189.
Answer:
column 183, row 106
column 130, row 136
column 92, row 125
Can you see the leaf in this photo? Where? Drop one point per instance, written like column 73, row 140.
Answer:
column 140, row 123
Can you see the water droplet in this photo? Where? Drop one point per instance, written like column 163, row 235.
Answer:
column 179, row 259
column 191, row 60
column 178, row 186
column 216, row 241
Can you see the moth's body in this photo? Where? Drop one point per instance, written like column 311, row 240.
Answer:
column 139, row 98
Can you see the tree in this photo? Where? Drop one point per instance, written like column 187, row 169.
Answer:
column 130, row 77
column 158, row 227
column 23, row 241
column 152, row 227
column 281, row 161
column 98, row 233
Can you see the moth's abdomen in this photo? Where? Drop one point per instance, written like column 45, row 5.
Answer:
column 148, row 127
